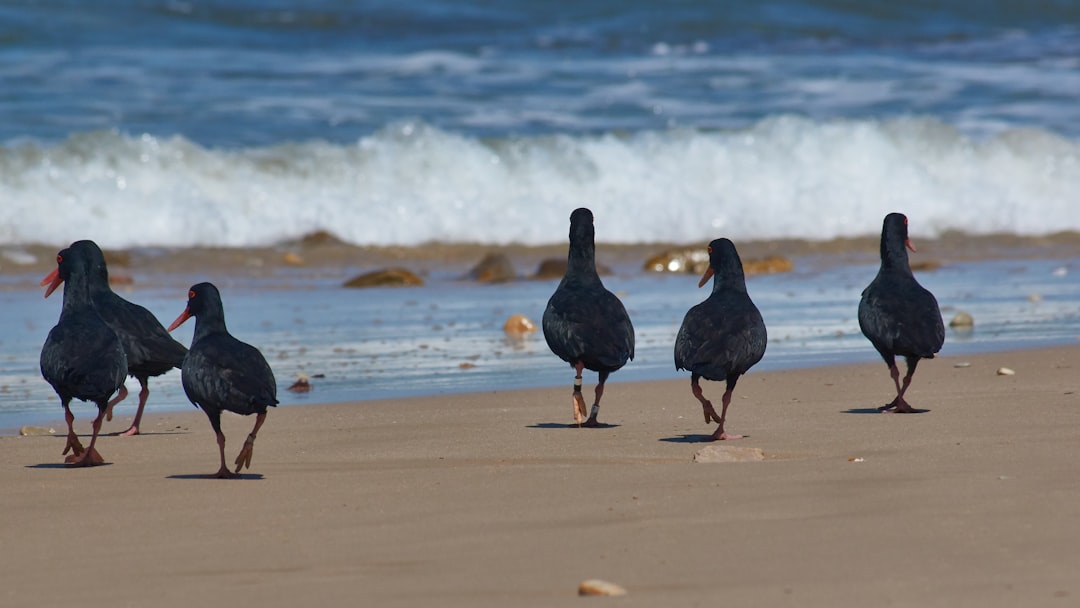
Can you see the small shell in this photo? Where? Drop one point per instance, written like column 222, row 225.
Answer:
column 962, row 364
column 1006, row 371
column 595, row 586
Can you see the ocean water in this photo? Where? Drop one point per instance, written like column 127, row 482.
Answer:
column 244, row 123
column 447, row 336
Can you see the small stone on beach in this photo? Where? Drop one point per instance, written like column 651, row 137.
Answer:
column 519, row 326
column 717, row 453
column 36, row 431
column 962, row 319
column 1006, row 371
column 595, row 586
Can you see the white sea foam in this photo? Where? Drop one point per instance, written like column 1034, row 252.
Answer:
column 411, row 183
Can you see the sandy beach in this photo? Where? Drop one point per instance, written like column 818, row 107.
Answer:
column 490, row 499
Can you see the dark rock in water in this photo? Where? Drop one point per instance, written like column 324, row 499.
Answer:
column 552, row 268
column 770, row 265
column 319, row 237
column 302, row 384
column 494, row 268
column 390, row 277
column 925, row 265
column 694, row 260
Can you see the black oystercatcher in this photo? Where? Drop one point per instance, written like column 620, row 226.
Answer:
column 82, row 357
column 150, row 349
column 724, row 336
column 223, row 373
column 584, row 323
column 898, row 315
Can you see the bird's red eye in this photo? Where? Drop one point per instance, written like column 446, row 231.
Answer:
column 191, row 295
column 709, row 248
column 59, row 258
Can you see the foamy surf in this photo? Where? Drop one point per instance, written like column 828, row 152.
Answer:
column 411, row 183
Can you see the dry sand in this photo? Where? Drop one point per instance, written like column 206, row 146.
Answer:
column 491, row 500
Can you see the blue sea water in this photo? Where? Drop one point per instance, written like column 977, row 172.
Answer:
column 241, row 123
column 247, row 122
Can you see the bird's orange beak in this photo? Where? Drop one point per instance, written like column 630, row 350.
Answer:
column 184, row 316
column 907, row 243
column 705, row 278
column 51, row 282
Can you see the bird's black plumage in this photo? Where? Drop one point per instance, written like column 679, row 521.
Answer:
column 724, row 336
column 585, row 324
column 150, row 350
column 220, row 372
column 897, row 314
column 82, row 357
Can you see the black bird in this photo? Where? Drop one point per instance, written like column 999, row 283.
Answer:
column 150, row 350
column 722, row 337
column 82, row 358
column 223, row 373
column 584, row 323
column 899, row 316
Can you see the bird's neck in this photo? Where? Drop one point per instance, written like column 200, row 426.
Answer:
column 581, row 262
column 208, row 324
column 895, row 258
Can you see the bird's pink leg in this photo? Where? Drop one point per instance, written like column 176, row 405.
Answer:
column 119, row 397
column 578, row 400
column 144, row 392
column 73, row 443
column 223, row 472
column 244, row 459
column 719, row 434
column 90, row 457
column 592, row 422
column 898, row 405
column 706, row 405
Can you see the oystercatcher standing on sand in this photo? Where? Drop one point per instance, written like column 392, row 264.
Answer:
column 82, row 357
column 222, row 373
column 585, row 324
column 899, row 316
column 722, row 337
column 150, row 350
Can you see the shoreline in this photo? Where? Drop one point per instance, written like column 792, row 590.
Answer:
column 481, row 499
column 322, row 255
column 122, row 418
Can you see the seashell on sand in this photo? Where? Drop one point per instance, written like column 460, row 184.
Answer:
column 595, row 586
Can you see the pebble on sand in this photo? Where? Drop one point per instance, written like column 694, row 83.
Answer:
column 36, row 431
column 719, row 453
column 962, row 319
column 1006, row 371
column 595, row 586
column 519, row 326
column 390, row 277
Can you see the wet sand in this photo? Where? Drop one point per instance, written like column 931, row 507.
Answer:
column 490, row 499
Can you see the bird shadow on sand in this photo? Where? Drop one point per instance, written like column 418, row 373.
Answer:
column 62, row 465
column 242, row 476
column 694, row 438
column 572, row 425
column 877, row 410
